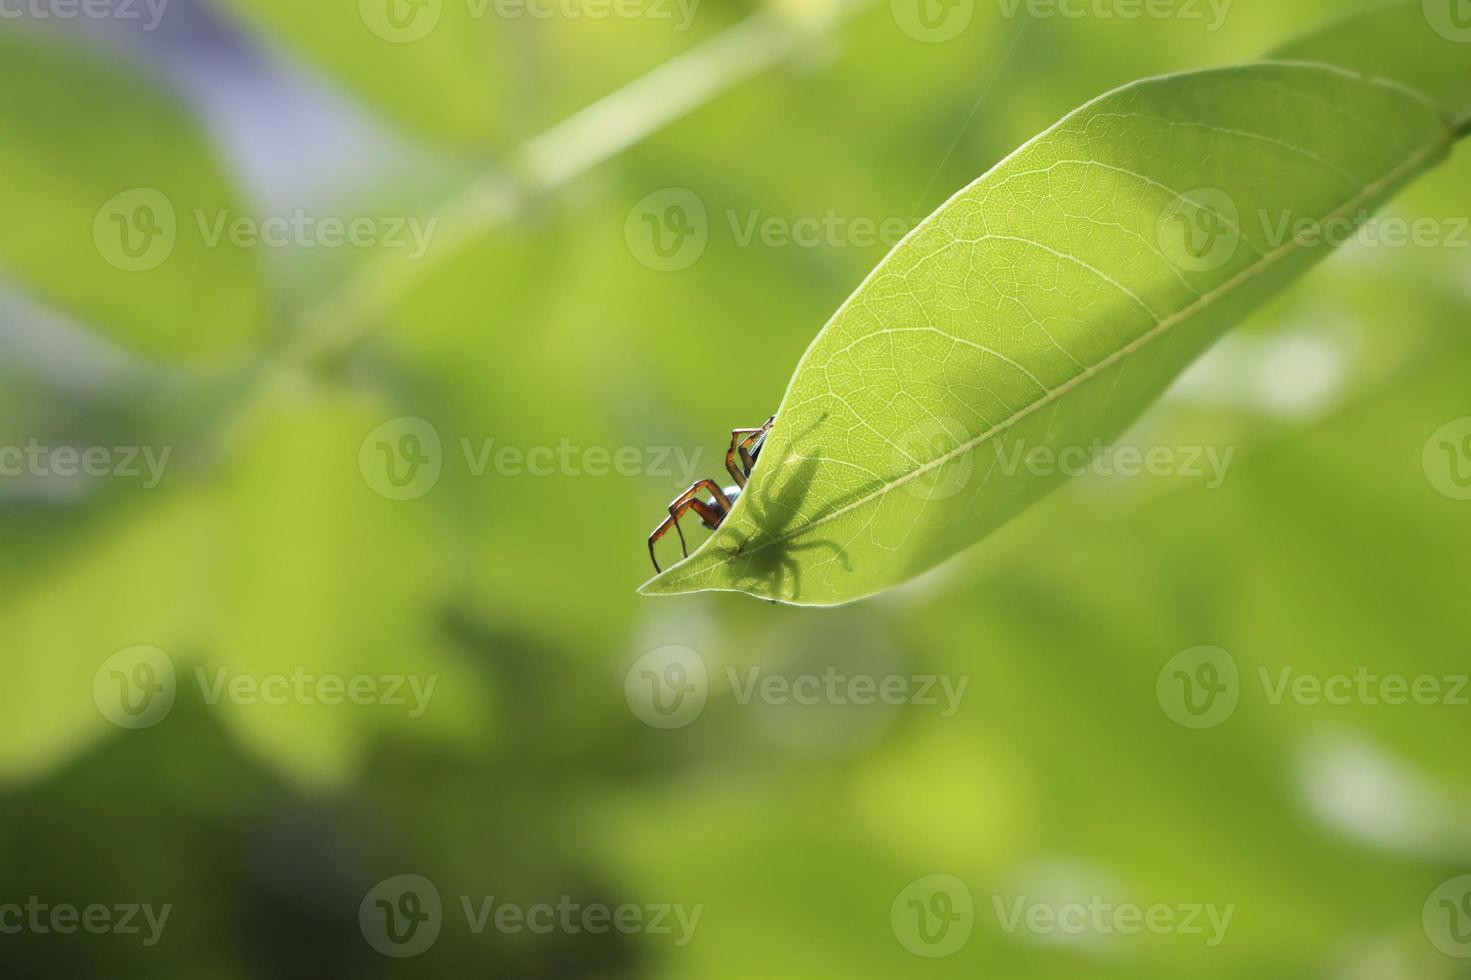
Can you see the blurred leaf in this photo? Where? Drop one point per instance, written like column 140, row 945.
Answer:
column 1011, row 319
column 324, row 577
column 486, row 394
column 431, row 64
column 104, row 177
column 95, row 583
column 1415, row 43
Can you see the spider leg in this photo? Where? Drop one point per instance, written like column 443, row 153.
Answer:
column 711, row 515
column 741, row 441
column 659, row 532
column 739, row 438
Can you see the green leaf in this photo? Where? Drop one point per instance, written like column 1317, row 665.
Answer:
column 429, row 64
column 1418, row 44
column 104, row 173
column 324, row 576
column 133, row 568
column 1044, row 308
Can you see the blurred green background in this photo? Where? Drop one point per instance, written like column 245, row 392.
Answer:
column 335, row 503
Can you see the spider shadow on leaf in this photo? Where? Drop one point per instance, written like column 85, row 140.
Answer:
column 765, row 558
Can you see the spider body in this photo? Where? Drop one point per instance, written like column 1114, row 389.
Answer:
column 709, row 500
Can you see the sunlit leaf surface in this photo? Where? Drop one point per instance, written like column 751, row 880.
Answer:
column 1043, row 308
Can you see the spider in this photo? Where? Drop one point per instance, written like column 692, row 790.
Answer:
column 745, row 448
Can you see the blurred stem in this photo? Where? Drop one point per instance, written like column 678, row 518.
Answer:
column 553, row 159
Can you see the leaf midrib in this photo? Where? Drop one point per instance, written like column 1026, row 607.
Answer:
column 1162, row 327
